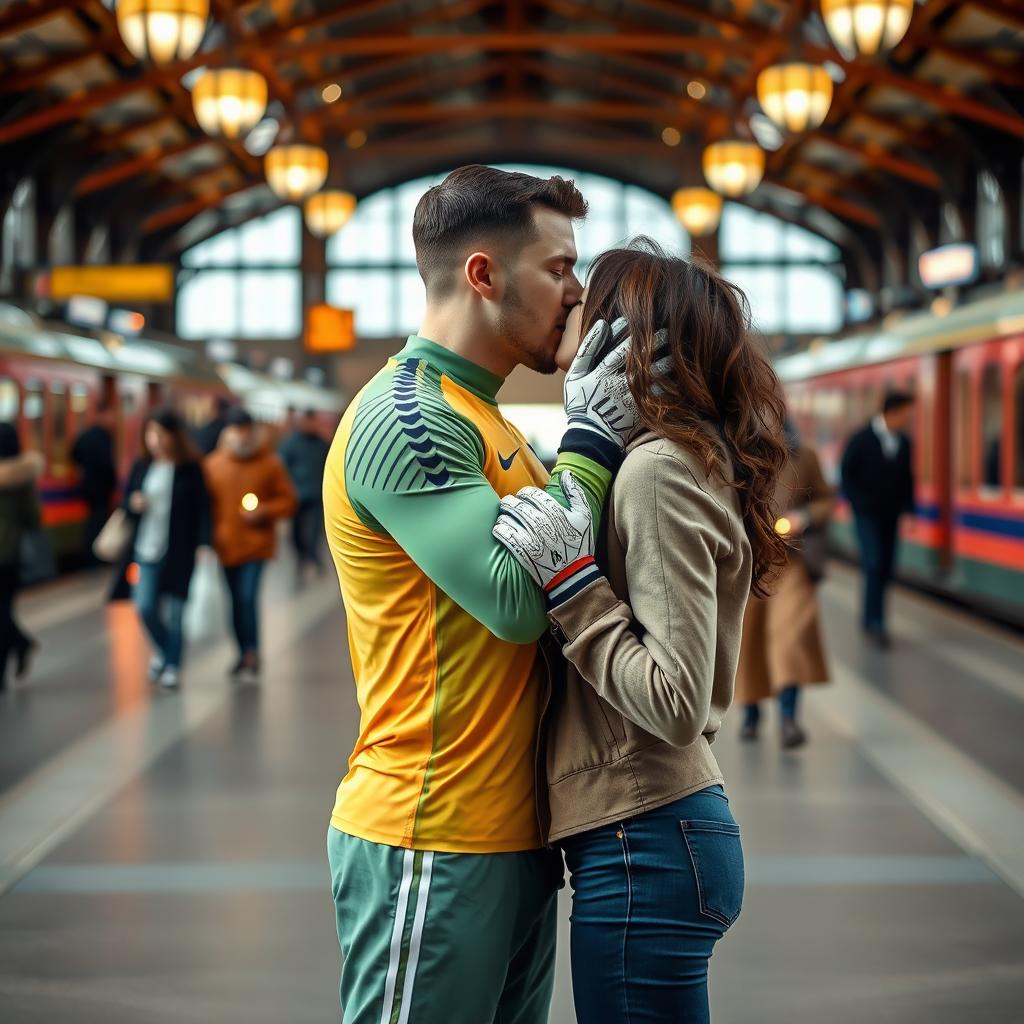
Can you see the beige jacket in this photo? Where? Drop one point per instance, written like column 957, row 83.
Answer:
column 652, row 650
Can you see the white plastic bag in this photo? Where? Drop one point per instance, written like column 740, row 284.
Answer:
column 206, row 605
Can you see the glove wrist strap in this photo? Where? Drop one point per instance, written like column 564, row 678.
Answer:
column 571, row 580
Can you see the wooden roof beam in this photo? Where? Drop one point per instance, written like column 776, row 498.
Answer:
column 30, row 12
column 149, row 161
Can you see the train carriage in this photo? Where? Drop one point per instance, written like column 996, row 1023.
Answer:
column 53, row 377
column 966, row 536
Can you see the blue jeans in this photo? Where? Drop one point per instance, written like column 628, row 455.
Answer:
column 651, row 897
column 244, row 584
column 877, row 538
column 160, row 613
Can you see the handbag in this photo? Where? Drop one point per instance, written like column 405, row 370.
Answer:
column 112, row 542
column 812, row 547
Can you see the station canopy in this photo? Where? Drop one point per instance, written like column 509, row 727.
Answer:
column 395, row 89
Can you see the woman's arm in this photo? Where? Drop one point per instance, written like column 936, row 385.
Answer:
column 653, row 659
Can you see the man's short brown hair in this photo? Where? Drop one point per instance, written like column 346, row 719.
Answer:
column 482, row 204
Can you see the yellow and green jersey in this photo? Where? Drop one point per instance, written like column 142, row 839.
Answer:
column 442, row 620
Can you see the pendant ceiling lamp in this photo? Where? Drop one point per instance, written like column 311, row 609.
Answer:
column 733, row 167
column 229, row 101
column 329, row 211
column 795, row 96
column 865, row 27
column 295, row 171
column 698, row 209
column 162, row 31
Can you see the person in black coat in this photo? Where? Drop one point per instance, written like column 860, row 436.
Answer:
column 304, row 453
column 167, row 501
column 878, row 481
column 93, row 454
column 208, row 435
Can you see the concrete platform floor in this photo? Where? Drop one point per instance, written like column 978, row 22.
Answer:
column 162, row 856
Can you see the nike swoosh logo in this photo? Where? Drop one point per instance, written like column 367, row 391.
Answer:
column 507, row 463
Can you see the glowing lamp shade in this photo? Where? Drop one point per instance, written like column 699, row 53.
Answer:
column 162, row 31
column 795, row 96
column 295, row 172
column 229, row 101
column 698, row 209
column 864, row 27
column 329, row 211
column 734, row 167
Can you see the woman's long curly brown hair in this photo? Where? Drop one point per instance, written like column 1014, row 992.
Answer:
column 719, row 384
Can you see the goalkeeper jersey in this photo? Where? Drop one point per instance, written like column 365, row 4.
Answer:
column 442, row 620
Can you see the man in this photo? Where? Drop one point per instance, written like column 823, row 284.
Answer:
column 304, row 453
column 878, row 481
column 445, row 898
column 249, row 491
column 93, row 453
column 208, row 435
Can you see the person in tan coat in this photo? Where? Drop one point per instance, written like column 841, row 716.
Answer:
column 648, row 615
column 249, row 492
column 782, row 648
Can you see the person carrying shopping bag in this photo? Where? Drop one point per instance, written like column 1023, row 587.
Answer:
column 249, row 492
column 167, row 504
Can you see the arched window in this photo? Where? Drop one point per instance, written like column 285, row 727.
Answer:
column 790, row 276
column 372, row 263
column 245, row 282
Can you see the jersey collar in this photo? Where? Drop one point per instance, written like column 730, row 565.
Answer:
column 469, row 375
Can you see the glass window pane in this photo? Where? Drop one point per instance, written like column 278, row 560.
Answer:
column 33, row 408
column 221, row 250
column 412, row 302
column 964, row 413
column 804, row 245
column 275, row 239
column 992, row 426
column 814, row 300
column 208, row 305
column 9, row 400
column 370, row 294
column 745, row 234
column 58, row 429
column 369, row 237
column 271, row 304
column 763, row 288
column 648, row 214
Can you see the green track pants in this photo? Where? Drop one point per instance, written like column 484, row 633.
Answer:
column 444, row 938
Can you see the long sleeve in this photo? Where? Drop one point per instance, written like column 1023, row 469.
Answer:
column 654, row 662
column 414, row 470
column 280, row 503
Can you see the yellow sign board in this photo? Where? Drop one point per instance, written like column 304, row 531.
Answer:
column 148, row 282
column 329, row 329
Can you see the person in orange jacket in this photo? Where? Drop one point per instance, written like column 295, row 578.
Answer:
column 249, row 491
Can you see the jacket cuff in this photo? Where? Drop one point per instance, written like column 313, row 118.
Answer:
column 582, row 609
column 594, row 446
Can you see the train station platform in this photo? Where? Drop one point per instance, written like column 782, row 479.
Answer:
column 162, row 855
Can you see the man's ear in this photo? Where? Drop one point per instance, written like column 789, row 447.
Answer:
column 483, row 275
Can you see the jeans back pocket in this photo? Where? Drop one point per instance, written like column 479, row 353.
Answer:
column 717, row 857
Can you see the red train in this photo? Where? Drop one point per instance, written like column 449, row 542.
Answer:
column 966, row 537
column 52, row 377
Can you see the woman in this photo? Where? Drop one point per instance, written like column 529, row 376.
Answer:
column 19, row 511
column 249, row 492
column 166, row 500
column 782, row 649
column 635, row 795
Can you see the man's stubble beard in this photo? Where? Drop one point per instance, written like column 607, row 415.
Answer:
column 515, row 322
